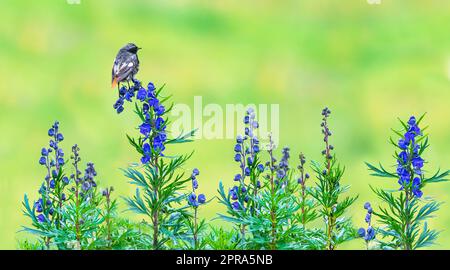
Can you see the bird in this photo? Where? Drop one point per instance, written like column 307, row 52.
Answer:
column 126, row 65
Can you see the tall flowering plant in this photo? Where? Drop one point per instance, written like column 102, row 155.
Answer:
column 68, row 212
column 195, row 225
column 158, row 178
column 404, row 218
column 273, row 224
column 307, row 204
column 45, row 213
column 242, row 199
column 329, row 190
column 367, row 234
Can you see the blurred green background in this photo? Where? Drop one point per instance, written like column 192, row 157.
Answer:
column 369, row 63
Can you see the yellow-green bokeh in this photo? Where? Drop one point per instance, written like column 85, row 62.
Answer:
column 369, row 63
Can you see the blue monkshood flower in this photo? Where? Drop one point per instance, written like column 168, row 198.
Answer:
column 158, row 142
column 256, row 148
column 238, row 148
column 159, row 123
column 416, row 187
column 38, row 206
column 255, row 141
column 151, row 90
column 152, row 121
column 361, row 232
column 153, row 102
column 42, row 161
column 258, row 184
column 250, row 160
column 145, row 108
column 51, row 132
column 52, row 184
column 260, row 167
column 194, row 183
column 192, row 198
column 41, row 218
column 151, row 87
column 417, row 162
column 368, row 218
column 403, row 144
column 126, row 94
column 246, row 150
column 236, row 205
column 246, row 119
column 65, row 180
column 412, row 121
column 239, row 139
column 63, row 197
column 410, row 137
column 159, row 110
column 243, row 189
column 60, row 161
column 86, row 186
column 403, row 157
column 281, row 174
column 409, row 161
column 370, row 235
column 90, row 172
column 53, row 144
column 201, row 198
column 146, row 153
column 129, row 94
column 145, row 128
column 195, row 172
column 57, row 160
column 415, row 129
column 234, row 193
column 59, row 137
column 141, row 94
column 39, row 201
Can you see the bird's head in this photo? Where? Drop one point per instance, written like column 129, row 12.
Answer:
column 131, row 47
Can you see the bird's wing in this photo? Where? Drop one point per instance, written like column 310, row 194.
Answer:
column 122, row 66
column 124, row 70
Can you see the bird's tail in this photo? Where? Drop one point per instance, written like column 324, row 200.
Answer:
column 114, row 82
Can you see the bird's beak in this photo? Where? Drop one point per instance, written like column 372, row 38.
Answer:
column 139, row 48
